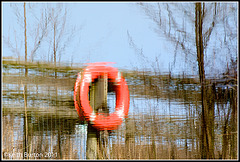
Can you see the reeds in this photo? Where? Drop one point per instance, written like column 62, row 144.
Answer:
column 163, row 122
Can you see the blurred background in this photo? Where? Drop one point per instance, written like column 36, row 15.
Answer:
column 179, row 61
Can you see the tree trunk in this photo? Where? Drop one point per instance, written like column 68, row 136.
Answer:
column 25, row 35
column 233, row 124
column 207, row 116
column 98, row 102
column 54, row 48
column 25, row 125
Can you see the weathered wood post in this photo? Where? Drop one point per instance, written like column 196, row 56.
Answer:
column 91, row 101
column 98, row 102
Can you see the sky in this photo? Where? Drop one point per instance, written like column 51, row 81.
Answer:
column 101, row 35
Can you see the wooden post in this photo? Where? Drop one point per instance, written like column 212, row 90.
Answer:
column 98, row 101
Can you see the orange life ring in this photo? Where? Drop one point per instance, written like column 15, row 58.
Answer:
column 76, row 98
column 81, row 101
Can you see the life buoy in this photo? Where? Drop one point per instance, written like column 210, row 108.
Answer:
column 76, row 98
column 82, row 104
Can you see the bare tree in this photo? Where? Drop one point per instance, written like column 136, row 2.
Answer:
column 14, row 47
column 62, row 34
column 177, row 22
column 39, row 31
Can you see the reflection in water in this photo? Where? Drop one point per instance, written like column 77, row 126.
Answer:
column 163, row 120
column 63, row 137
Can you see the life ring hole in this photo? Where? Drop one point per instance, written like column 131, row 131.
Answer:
column 102, row 106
